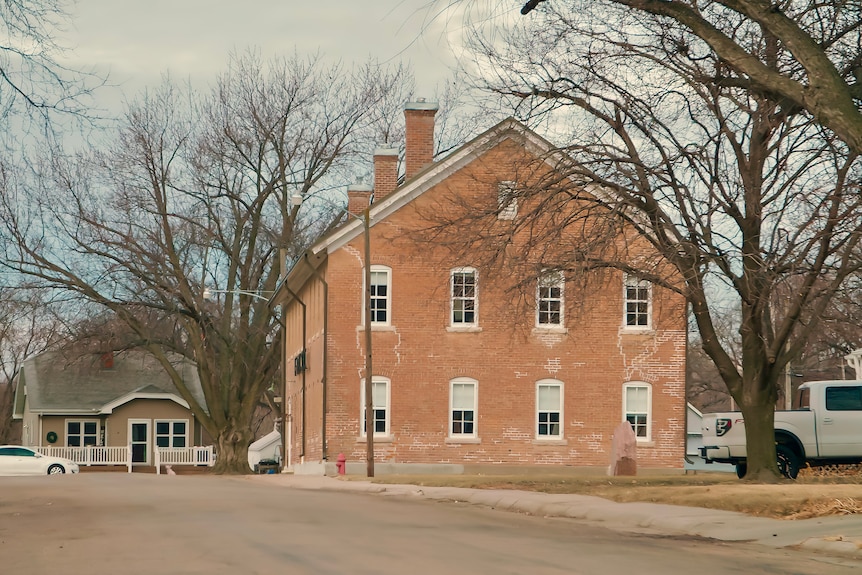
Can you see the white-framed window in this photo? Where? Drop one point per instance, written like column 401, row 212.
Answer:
column 550, row 293
column 549, row 409
column 507, row 201
column 637, row 408
column 172, row 432
column 638, row 306
column 381, row 295
column 462, row 407
column 465, row 297
column 379, row 406
column 82, row 432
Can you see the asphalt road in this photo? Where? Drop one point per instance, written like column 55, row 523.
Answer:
column 118, row 523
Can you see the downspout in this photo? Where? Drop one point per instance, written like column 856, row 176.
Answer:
column 325, row 353
column 303, row 353
column 685, row 403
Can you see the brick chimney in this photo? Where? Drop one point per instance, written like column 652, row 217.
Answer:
column 419, row 120
column 358, row 198
column 385, row 172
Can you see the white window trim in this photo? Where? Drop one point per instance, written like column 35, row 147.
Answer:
column 463, row 325
column 82, row 421
column 388, row 421
column 388, row 271
column 505, row 190
column 475, row 384
column 171, row 435
column 640, row 384
column 554, row 383
column 626, row 282
column 551, row 279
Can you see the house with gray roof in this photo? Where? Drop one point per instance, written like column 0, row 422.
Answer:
column 114, row 399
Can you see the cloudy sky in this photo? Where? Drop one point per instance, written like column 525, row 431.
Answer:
column 137, row 41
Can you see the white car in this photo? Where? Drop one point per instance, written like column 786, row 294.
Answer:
column 17, row 460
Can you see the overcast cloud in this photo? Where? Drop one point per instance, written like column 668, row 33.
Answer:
column 139, row 41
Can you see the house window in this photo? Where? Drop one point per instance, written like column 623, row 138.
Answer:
column 381, row 294
column 379, row 406
column 549, row 409
column 637, row 303
column 637, row 400
column 82, row 433
column 464, row 297
column 507, row 202
column 462, row 411
column 171, row 433
column 549, row 300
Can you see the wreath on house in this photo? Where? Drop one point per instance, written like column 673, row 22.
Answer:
column 51, row 437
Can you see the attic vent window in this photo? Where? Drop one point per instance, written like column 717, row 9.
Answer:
column 507, row 202
column 107, row 360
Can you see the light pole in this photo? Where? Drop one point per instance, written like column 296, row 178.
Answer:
column 365, row 218
column 208, row 293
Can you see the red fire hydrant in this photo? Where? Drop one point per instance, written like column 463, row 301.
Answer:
column 341, row 464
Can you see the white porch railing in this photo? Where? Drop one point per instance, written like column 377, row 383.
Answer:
column 90, row 454
column 183, row 456
column 101, row 455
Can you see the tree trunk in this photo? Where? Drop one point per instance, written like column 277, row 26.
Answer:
column 232, row 454
column 760, row 442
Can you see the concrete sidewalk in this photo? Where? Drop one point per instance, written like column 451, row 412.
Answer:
column 833, row 535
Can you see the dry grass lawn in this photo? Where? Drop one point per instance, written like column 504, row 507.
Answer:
column 809, row 496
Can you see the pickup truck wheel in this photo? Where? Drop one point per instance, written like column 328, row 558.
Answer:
column 741, row 469
column 788, row 464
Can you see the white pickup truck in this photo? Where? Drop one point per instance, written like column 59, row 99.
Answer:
column 825, row 428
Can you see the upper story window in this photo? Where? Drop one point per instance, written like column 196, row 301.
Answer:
column 465, row 298
column 638, row 307
column 507, row 201
column 637, row 408
column 549, row 299
column 549, row 409
column 379, row 406
column 381, row 295
column 462, row 407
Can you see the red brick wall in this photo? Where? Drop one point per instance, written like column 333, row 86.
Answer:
column 593, row 360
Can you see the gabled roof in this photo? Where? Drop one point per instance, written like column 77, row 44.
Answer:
column 64, row 384
column 424, row 180
column 437, row 172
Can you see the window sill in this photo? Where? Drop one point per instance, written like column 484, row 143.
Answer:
column 377, row 439
column 464, row 329
column 626, row 330
column 542, row 330
column 465, row 440
column 644, row 443
column 381, row 327
column 550, row 442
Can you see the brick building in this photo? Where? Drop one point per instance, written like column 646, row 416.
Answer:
column 469, row 367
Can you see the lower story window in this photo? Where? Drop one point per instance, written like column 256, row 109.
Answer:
column 379, row 406
column 82, row 433
column 549, row 409
column 463, row 408
column 636, row 407
column 171, row 433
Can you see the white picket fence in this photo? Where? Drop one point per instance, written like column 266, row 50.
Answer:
column 95, row 455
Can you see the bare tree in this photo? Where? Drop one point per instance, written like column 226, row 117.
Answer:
column 194, row 195
column 34, row 85
column 744, row 196
column 822, row 39
column 28, row 326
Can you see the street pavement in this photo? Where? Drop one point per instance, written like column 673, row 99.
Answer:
column 839, row 535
